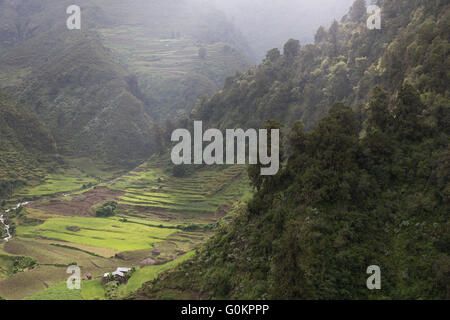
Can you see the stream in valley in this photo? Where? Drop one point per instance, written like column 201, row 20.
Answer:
column 2, row 220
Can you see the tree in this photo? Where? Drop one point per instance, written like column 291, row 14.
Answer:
column 378, row 145
column 254, row 171
column 358, row 11
column 408, row 123
column 297, row 137
column 273, row 55
column 107, row 209
column 292, row 48
column 378, row 108
column 320, row 35
column 339, row 83
column 334, row 146
column 333, row 34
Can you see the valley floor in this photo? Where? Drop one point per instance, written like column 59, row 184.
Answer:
column 159, row 216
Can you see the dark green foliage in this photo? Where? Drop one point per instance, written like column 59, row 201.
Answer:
column 256, row 179
column 21, row 263
column 344, row 64
column 334, row 210
column 367, row 182
column 111, row 288
column 273, row 55
column 108, row 209
column 292, row 48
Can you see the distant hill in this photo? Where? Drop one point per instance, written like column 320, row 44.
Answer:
column 100, row 90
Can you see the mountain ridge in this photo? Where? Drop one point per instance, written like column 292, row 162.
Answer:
column 366, row 180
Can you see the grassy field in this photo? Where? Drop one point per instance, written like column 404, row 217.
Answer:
column 57, row 183
column 6, row 264
column 93, row 289
column 58, row 292
column 201, row 193
column 98, row 232
column 149, row 273
column 78, row 177
column 156, row 210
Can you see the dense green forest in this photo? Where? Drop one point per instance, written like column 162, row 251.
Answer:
column 365, row 115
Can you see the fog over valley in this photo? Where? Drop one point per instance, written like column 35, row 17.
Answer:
column 268, row 24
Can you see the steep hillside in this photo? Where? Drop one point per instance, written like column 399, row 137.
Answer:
column 343, row 64
column 99, row 89
column 363, row 185
column 82, row 96
column 27, row 149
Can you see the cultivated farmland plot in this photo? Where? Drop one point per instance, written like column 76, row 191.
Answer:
column 155, row 211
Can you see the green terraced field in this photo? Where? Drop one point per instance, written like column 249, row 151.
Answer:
column 203, row 192
column 156, row 210
column 170, row 69
column 83, row 173
column 100, row 232
column 58, row 183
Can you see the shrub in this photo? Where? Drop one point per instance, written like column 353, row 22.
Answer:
column 108, row 209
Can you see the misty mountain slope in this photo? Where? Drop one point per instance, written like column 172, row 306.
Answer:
column 83, row 97
column 364, row 185
column 27, row 149
column 97, row 90
column 163, row 51
column 170, row 74
column 343, row 64
column 267, row 24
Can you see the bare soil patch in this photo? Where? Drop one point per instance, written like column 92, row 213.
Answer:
column 80, row 204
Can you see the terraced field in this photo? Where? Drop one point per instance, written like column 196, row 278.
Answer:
column 200, row 197
column 81, row 174
column 170, row 72
column 109, row 233
column 155, row 211
column 93, row 289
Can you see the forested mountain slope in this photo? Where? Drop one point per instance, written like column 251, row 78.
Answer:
column 267, row 24
column 343, row 64
column 366, row 184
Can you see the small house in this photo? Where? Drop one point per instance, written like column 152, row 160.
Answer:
column 118, row 275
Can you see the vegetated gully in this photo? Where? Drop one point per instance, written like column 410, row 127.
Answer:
column 2, row 219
